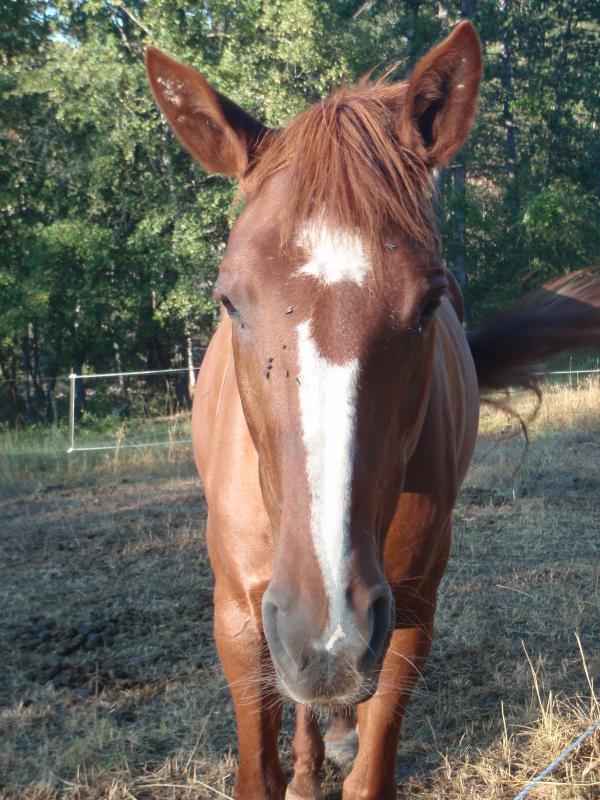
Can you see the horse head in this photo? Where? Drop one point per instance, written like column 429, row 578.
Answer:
column 332, row 279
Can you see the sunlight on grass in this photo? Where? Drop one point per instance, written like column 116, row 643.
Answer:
column 116, row 542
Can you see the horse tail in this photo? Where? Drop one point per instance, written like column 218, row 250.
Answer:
column 563, row 316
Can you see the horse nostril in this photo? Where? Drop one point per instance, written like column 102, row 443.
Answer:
column 380, row 614
column 302, row 662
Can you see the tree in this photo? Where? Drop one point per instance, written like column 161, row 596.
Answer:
column 111, row 237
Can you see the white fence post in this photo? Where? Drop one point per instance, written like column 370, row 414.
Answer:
column 72, row 379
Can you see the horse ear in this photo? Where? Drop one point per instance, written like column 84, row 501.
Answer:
column 214, row 130
column 441, row 96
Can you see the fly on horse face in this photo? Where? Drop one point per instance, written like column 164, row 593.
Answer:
column 337, row 406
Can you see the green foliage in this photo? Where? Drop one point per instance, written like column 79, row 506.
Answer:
column 110, row 237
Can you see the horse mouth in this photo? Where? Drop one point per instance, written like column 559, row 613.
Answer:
column 328, row 670
column 332, row 701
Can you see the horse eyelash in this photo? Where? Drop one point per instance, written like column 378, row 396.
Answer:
column 228, row 305
column 430, row 308
column 232, row 310
column 225, row 301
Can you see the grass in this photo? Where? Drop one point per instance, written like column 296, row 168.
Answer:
column 95, row 545
column 38, row 457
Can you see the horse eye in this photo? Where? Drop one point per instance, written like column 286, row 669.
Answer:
column 228, row 305
column 429, row 309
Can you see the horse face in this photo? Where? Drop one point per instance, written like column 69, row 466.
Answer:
column 333, row 360
column 332, row 285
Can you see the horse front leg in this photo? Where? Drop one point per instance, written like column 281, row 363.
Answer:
column 308, row 753
column 380, row 718
column 341, row 739
column 247, row 665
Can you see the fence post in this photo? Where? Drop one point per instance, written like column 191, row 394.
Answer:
column 72, row 378
column 570, row 372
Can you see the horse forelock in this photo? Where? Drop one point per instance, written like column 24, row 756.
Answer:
column 346, row 162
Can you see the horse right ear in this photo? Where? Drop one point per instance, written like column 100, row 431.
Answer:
column 214, row 130
column 441, row 96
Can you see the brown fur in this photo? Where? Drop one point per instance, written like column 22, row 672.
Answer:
column 361, row 157
column 441, row 97
column 344, row 156
column 216, row 131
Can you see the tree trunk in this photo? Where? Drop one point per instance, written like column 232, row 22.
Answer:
column 459, row 193
column 508, row 121
column 437, row 203
column 121, row 380
column 410, row 34
column 190, row 361
column 79, row 390
column 557, row 122
column 38, row 381
column 458, row 172
column 26, row 351
column 50, row 402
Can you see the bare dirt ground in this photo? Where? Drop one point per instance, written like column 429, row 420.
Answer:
column 110, row 686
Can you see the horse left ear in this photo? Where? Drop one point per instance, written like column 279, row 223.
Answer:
column 441, row 96
column 213, row 129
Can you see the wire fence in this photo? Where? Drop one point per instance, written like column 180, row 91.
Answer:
column 143, row 414
column 558, row 760
column 572, row 376
column 148, row 427
column 137, row 409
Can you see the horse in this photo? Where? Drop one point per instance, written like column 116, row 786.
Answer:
column 337, row 407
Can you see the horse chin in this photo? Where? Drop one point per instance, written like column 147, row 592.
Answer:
column 351, row 687
column 328, row 704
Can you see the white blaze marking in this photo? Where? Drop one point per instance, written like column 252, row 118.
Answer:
column 335, row 255
column 337, row 634
column 327, row 395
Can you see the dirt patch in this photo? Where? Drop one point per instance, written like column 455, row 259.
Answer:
column 111, row 686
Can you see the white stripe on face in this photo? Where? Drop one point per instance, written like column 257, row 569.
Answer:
column 327, row 394
column 334, row 255
column 337, row 634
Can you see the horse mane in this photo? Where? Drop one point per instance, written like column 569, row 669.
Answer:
column 346, row 162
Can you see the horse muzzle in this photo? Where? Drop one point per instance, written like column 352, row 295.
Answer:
column 338, row 666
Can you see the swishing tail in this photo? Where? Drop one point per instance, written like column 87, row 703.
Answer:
column 561, row 317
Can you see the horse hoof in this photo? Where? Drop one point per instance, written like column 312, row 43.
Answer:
column 292, row 794
column 342, row 751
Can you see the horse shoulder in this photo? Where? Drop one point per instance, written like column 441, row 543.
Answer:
column 238, row 530
column 418, row 537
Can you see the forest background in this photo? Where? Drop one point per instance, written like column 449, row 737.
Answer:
column 110, row 236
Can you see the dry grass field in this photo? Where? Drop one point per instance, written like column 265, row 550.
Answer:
column 110, row 686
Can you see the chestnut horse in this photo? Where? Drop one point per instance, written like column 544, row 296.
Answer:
column 337, row 407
